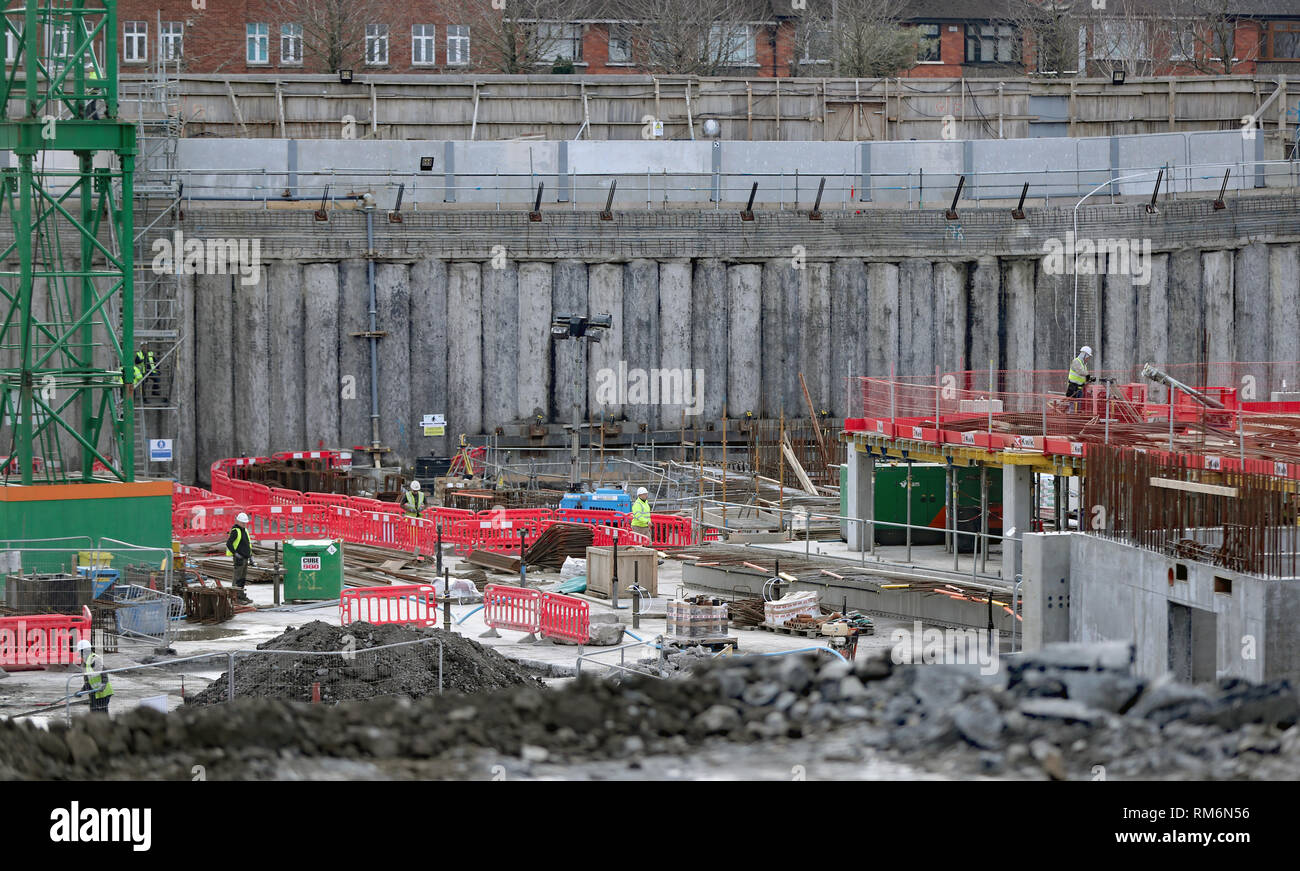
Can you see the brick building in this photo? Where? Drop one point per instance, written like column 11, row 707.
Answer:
column 955, row 38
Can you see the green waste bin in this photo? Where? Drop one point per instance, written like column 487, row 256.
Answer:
column 313, row 570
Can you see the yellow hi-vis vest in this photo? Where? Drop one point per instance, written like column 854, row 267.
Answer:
column 1078, row 371
column 641, row 513
column 239, row 530
column 413, row 502
column 101, row 687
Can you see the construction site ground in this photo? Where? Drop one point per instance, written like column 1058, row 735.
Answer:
column 554, row 663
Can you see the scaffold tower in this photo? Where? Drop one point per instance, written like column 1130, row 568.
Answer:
column 66, row 273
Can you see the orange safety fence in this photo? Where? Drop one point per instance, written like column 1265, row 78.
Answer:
column 409, row 604
column 564, row 617
column 35, row 641
column 506, row 607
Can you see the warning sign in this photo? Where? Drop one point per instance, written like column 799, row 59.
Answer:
column 433, row 425
column 311, row 564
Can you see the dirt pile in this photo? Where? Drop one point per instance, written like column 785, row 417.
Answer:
column 1058, row 714
column 409, row 670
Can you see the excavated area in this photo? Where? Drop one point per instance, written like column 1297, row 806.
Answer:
column 1069, row 712
column 408, row 670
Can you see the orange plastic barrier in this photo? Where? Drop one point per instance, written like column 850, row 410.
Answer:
column 514, row 608
column 565, row 617
column 501, row 536
column 669, row 530
column 412, row 604
column 38, row 640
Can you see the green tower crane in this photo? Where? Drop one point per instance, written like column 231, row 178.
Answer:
column 67, row 308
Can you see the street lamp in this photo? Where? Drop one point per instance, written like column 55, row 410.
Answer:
column 578, row 328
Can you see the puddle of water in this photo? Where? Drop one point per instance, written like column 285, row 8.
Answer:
column 205, row 633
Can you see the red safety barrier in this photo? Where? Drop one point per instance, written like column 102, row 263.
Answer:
column 565, row 617
column 333, row 499
column 200, row 523
column 281, row 522
column 539, row 514
column 411, row 604
column 603, row 536
column 670, row 530
column 514, row 608
column 280, row 496
column 592, row 518
column 500, row 536
column 39, row 640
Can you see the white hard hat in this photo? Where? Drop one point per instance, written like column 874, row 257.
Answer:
column 1086, row 350
column 242, row 518
column 83, row 645
column 641, row 491
column 415, row 485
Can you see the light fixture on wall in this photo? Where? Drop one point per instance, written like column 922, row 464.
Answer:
column 345, row 77
column 1117, row 77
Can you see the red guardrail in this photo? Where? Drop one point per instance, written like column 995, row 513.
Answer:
column 565, row 617
column 38, row 640
column 411, row 604
column 506, row 607
column 500, row 536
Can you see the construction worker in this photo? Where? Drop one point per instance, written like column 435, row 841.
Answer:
column 240, row 547
column 146, row 367
column 97, row 684
column 91, row 110
column 641, row 512
column 413, row 500
column 1079, row 373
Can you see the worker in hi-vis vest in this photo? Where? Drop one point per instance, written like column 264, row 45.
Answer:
column 95, row 683
column 641, row 512
column 413, row 500
column 1079, row 373
column 240, row 547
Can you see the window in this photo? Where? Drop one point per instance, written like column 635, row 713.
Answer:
column 173, row 40
column 257, row 37
column 290, row 43
column 135, row 41
column 814, row 42
column 1120, row 41
column 1282, row 41
column 11, row 43
column 59, row 40
column 992, row 43
column 620, row 44
column 554, row 40
column 376, row 44
column 422, row 44
column 733, row 44
column 928, row 48
column 457, row 44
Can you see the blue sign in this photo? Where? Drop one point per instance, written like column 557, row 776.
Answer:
column 160, row 451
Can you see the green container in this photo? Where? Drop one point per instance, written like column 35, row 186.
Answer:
column 313, row 570
column 928, row 501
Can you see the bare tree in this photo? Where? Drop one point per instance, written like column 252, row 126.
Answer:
column 1050, row 34
column 1122, row 35
column 1202, row 35
column 689, row 37
column 864, row 37
column 333, row 31
column 523, row 33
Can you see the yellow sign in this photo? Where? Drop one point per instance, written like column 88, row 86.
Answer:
column 435, row 430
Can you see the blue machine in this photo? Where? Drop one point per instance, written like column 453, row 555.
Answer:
column 603, row 499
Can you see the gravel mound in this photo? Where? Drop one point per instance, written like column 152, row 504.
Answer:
column 1064, row 714
column 410, row 670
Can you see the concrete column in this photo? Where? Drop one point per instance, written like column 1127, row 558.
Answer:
column 950, row 314
column 393, row 300
column 429, row 355
column 744, row 338
column 1119, row 322
column 776, row 353
column 500, row 344
column 214, row 408
column 287, row 375
column 882, row 318
column 1021, row 321
column 1284, row 311
column 815, row 330
column 848, row 333
column 1153, row 322
column 674, row 341
column 1017, row 514
column 464, row 343
column 861, row 497
column 321, row 344
column 985, row 309
column 1220, row 310
column 916, row 317
column 792, row 335
column 1046, row 589
column 534, row 381
column 354, row 356
column 183, row 393
column 709, row 339
column 569, row 297
column 1053, row 325
column 1186, row 306
column 1252, row 296
column 604, row 378
column 640, row 328
column 251, row 370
